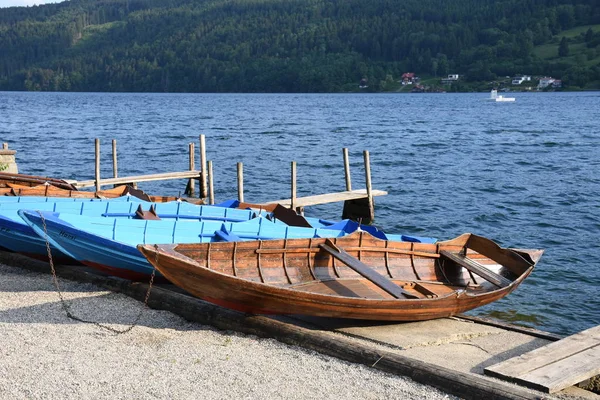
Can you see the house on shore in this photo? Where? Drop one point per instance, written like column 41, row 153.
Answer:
column 450, row 79
column 409, row 78
column 548, row 81
column 517, row 80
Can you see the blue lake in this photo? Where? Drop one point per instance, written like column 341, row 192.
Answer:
column 525, row 174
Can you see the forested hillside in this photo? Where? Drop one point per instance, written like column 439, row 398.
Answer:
column 293, row 45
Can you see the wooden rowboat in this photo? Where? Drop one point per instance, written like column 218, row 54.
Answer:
column 7, row 179
column 46, row 190
column 355, row 276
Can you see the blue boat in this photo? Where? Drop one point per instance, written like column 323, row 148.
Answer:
column 322, row 229
column 109, row 243
column 350, row 226
column 18, row 237
column 127, row 206
column 252, row 231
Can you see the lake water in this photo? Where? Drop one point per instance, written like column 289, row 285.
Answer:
column 525, row 174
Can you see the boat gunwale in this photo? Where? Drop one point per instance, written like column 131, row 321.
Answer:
column 283, row 292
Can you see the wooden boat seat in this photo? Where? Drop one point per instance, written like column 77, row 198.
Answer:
column 476, row 268
column 150, row 214
column 420, row 288
column 366, row 271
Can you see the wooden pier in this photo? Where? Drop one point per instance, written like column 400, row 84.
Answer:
column 358, row 203
column 327, row 198
column 555, row 366
column 192, row 174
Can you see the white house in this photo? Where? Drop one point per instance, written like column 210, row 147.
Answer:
column 545, row 82
column 451, row 78
column 517, row 80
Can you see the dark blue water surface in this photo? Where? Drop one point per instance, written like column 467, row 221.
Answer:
column 525, row 174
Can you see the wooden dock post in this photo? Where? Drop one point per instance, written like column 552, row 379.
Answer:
column 240, row 179
column 97, row 182
column 203, row 190
column 211, row 188
column 293, row 197
column 347, row 170
column 368, row 183
column 191, row 187
column 97, row 171
column 114, row 156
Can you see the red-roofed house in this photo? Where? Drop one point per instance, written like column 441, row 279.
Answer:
column 408, row 78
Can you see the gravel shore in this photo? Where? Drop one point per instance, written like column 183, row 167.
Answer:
column 46, row 355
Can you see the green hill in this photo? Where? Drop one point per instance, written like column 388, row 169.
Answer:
column 293, row 45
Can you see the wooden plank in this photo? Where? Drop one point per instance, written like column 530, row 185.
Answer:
column 554, row 366
column 477, row 268
column 564, row 373
column 139, row 178
column 368, row 272
column 328, row 198
column 353, row 248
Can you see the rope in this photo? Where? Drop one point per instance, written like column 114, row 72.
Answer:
column 67, row 308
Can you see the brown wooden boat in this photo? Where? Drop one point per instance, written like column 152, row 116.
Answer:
column 356, row 276
column 48, row 190
column 7, row 178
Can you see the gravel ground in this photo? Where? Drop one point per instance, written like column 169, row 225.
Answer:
column 44, row 354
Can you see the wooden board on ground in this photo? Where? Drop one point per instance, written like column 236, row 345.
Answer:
column 328, row 198
column 555, row 366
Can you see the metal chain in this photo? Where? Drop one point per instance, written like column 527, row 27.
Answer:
column 67, row 307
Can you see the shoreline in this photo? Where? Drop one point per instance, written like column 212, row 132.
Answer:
column 427, row 356
column 46, row 355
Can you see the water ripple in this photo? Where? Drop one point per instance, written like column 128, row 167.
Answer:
column 524, row 175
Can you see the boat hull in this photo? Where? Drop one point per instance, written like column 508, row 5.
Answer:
column 335, row 291
column 20, row 238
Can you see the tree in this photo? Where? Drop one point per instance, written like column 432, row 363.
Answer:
column 563, row 47
column 442, row 65
column 589, row 35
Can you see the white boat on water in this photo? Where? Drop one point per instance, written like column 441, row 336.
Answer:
column 495, row 97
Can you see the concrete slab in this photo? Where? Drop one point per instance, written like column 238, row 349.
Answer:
column 409, row 334
column 478, row 345
column 424, row 333
column 474, row 354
